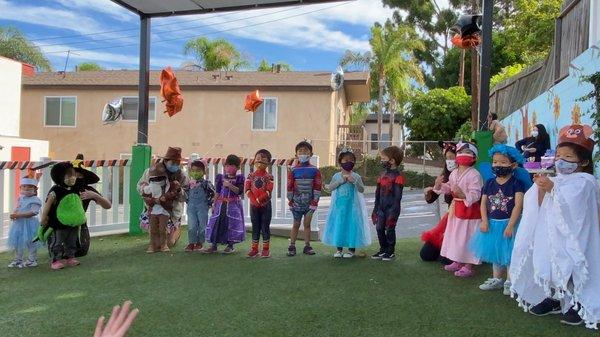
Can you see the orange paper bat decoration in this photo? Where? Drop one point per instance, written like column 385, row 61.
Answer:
column 253, row 101
column 169, row 90
column 468, row 42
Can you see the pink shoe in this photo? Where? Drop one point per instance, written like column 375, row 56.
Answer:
column 56, row 265
column 72, row 262
column 465, row 271
column 453, row 267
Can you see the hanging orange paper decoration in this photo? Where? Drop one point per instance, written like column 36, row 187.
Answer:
column 467, row 42
column 169, row 90
column 253, row 101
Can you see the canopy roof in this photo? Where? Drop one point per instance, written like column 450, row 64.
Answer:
column 154, row 8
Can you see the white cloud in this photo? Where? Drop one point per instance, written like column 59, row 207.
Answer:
column 102, row 57
column 102, row 6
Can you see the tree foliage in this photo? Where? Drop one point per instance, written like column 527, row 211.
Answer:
column 265, row 66
column 88, row 66
column 218, row 54
column 14, row 45
column 438, row 113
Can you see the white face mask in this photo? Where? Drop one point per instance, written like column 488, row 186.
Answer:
column 304, row 158
column 451, row 164
column 534, row 134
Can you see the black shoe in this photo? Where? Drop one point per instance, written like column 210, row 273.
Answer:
column 377, row 256
column 571, row 317
column 546, row 307
column 388, row 257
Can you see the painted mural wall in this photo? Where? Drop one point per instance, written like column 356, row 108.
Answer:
column 560, row 105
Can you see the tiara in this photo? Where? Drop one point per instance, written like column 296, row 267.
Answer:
column 346, row 149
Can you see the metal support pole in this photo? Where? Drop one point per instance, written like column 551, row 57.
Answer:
column 144, row 81
column 486, row 62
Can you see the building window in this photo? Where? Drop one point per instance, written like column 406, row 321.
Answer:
column 265, row 118
column 385, row 141
column 131, row 107
column 60, row 111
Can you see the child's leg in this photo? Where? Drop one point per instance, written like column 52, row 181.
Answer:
column 202, row 221
column 193, row 224
column 295, row 229
column 71, row 242
column 57, row 246
column 162, row 229
column 255, row 218
column 497, row 271
column 307, row 220
column 154, row 233
column 381, row 235
column 390, row 234
column 32, row 249
column 265, row 224
column 19, row 252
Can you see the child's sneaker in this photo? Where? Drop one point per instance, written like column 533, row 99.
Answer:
column 72, row 262
column 31, row 263
column 291, row 250
column 209, row 250
column 506, row 290
column 548, row 306
column 377, row 256
column 228, row 250
column 15, row 264
column 190, row 247
column 56, row 265
column 465, row 271
column 165, row 249
column 308, row 250
column 338, row 254
column 388, row 257
column 492, row 284
column 453, row 267
column 348, row 255
column 571, row 317
column 252, row 253
column 150, row 250
column 265, row 253
column 198, row 247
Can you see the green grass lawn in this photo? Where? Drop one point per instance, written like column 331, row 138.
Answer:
column 190, row 294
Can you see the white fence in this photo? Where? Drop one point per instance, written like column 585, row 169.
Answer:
column 115, row 178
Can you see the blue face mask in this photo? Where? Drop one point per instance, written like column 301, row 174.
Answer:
column 565, row 167
column 304, row 158
column 172, row 168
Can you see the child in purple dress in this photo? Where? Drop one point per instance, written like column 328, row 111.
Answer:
column 226, row 225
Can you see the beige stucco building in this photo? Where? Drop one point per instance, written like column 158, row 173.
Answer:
column 66, row 110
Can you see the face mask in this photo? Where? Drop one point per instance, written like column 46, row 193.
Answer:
column 260, row 166
column 534, row 134
column 386, row 164
column 565, row 167
column 27, row 193
column 172, row 168
column 464, row 159
column 304, row 158
column 70, row 181
column 196, row 175
column 348, row 166
column 230, row 169
column 502, row 171
column 451, row 164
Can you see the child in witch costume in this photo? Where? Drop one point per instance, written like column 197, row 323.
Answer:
column 258, row 187
column 158, row 207
column 200, row 194
column 555, row 266
column 63, row 212
column 25, row 224
column 226, row 225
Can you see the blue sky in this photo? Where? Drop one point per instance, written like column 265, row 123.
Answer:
column 308, row 37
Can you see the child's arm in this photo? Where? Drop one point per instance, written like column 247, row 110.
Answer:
column 97, row 198
column 290, row 187
column 515, row 215
column 317, row 186
column 248, row 187
column 473, row 192
column 485, row 226
column 35, row 210
column 396, row 208
column 46, row 210
column 334, row 183
column 360, row 186
column 376, row 206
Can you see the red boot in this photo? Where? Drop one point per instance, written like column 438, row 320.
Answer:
column 253, row 249
column 265, row 250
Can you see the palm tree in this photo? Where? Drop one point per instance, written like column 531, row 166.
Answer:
column 265, row 66
column 14, row 45
column 352, row 60
column 398, row 85
column 217, row 54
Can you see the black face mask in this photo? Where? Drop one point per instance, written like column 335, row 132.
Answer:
column 502, row 171
column 386, row 164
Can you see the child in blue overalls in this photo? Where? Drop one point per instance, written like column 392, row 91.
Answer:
column 200, row 195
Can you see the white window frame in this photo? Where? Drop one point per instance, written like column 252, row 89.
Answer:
column 135, row 120
column 264, row 120
column 60, row 112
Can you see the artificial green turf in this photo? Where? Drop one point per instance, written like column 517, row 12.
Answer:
column 190, row 294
